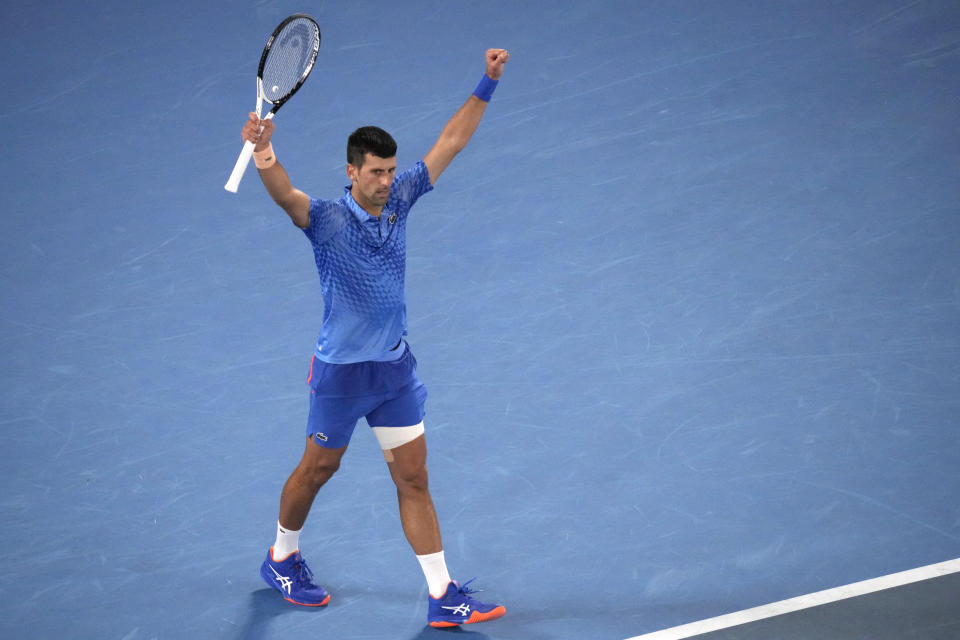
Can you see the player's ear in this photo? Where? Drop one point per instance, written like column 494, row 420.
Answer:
column 351, row 172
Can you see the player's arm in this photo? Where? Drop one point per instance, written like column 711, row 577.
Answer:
column 458, row 131
column 295, row 202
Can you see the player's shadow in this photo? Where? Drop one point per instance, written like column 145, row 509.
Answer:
column 516, row 624
column 450, row 633
column 264, row 607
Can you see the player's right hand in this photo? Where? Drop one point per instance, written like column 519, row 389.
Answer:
column 252, row 131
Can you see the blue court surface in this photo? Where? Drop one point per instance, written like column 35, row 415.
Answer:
column 688, row 307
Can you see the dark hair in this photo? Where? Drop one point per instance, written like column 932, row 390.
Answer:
column 369, row 140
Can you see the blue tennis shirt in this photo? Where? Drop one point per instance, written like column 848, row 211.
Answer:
column 362, row 263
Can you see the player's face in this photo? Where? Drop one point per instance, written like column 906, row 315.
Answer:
column 373, row 179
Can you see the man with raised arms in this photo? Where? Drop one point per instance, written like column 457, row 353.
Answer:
column 362, row 365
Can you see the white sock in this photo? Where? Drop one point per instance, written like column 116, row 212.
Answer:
column 287, row 542
column 435, row 570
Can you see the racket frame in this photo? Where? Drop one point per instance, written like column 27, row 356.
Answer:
column 241, row 165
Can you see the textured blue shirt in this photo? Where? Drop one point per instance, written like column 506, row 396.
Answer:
column 362, row 263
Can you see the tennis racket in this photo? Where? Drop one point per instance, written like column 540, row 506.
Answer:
column 286, row 62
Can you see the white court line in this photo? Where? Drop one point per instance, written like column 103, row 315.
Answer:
column 804, row 602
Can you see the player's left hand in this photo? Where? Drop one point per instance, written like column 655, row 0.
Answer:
column 496, row 58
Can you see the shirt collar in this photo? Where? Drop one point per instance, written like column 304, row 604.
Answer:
column 358, row 212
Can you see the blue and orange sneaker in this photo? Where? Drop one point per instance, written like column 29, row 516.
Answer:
column 456, row 607
column 293, row 579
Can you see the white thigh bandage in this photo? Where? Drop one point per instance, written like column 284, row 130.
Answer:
column 393, row 437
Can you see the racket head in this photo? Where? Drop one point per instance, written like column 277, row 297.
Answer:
column 287, row 59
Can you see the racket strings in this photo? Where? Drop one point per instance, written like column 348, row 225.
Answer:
column 289, row 59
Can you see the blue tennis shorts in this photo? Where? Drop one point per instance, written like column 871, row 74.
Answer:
column 387, row 394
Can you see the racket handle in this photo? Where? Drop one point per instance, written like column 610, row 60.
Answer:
column 240, row 167
column 242, row 162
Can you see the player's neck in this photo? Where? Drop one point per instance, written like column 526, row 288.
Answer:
column 365, row 204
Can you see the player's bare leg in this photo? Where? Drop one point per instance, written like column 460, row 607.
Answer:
column 408, row 468
column 317, row 465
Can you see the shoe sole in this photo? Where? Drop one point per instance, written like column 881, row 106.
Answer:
column 305, row 604
column 476, row 616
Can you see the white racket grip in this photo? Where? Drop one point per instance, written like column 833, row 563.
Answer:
column 240, row 167
column 242, row 162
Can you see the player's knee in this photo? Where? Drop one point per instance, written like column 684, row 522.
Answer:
column 413, row 479
column 318, row 473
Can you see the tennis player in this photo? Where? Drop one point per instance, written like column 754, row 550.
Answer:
column 362, row 365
